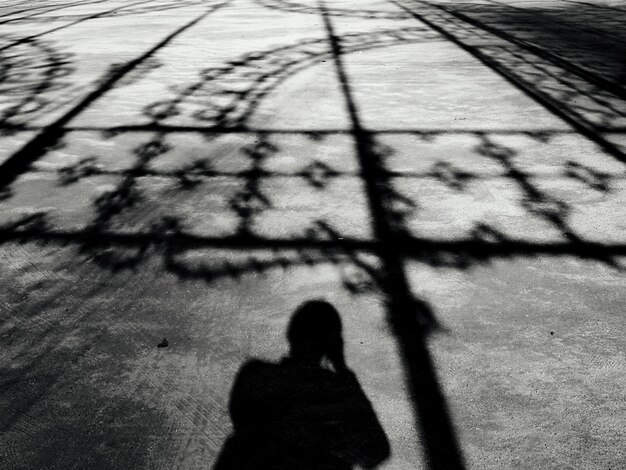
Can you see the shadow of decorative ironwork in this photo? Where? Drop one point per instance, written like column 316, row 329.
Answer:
column 52, row 135
column 220, row 104
column 40, row 10
column 586, row 35
column 295, row 7
column 594, row 179
column 136, row 8
column 31, row 77
column 593, row 105
column 225, row 97
column 73, row 22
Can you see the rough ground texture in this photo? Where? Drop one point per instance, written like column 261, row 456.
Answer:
column 450, row 175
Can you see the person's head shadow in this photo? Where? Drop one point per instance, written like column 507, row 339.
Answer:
column 307, row 412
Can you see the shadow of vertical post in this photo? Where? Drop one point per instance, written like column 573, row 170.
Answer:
column 437, row 434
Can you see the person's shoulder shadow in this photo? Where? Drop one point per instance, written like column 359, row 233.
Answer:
column 299, row 415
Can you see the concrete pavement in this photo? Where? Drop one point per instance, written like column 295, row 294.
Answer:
column 450, row 176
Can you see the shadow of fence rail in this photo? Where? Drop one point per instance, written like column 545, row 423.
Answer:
column 219, row 105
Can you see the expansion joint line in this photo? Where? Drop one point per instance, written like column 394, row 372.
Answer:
column 404, row 312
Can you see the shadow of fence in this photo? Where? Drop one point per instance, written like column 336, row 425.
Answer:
column 32, row 76
column 219, row 105
column 582, row 35
column 135, row 8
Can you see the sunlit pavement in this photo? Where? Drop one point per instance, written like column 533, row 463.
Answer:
column 449, row 175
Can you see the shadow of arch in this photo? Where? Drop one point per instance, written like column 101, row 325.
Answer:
column 294, row 7
column 227, row 96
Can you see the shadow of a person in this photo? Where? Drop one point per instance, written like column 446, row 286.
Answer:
column 307, row 412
